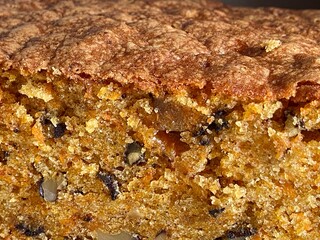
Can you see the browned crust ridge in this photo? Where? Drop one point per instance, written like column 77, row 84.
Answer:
column 167, row 46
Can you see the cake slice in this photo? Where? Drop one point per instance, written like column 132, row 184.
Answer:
column 158, row 120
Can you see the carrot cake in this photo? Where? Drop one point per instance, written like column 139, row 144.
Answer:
column 152, row 119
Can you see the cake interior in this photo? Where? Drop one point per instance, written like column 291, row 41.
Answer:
column 93, row 159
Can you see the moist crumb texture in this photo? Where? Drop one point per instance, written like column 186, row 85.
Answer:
column 155, row 119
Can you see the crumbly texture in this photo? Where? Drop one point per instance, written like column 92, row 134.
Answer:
column 158, row 120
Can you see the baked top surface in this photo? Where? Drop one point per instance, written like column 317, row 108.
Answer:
column 167, row 46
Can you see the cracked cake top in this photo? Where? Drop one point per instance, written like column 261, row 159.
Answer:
column 167, row 46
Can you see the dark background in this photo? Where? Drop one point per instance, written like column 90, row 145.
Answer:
column 295, row 4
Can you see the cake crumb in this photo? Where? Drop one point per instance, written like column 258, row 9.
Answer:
column 265, row 110
column 235, row 190
column 144, row 103
column 185, row 100
column 56, row 71
column 91, row 169
column 133, row 122
column 21, row 113
column 91, row 125
column 35, row 92
column 301, row 223
column 270, row 45
column 71, row 149
column 110, row 92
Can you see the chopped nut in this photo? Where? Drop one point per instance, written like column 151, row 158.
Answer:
column 134, row 153
column 161, row 236
column 135, row 214
column 136, row 237
column 120, row 236
column 48, row 189
column 174, row 117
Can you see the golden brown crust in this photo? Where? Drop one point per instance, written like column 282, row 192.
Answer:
column 165, row 46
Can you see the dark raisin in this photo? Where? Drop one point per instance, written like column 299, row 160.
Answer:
column 59, row 130
column 204, row 141
column 28, row 230
column 119, row 168
column 218, row 126
column 151, row 96
column 4, row 156
column 41, row 192
column 200, row 132
column 219, row 123
column 241, row 232
column 20, row 226
column 111, row 183
column 220, row 113
column 155, row 165
column 216, row 212
column 133, row 153
column 46, row 121
column 78, row 191
column 301, row 124
column 52, row 130
column 87, row 218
